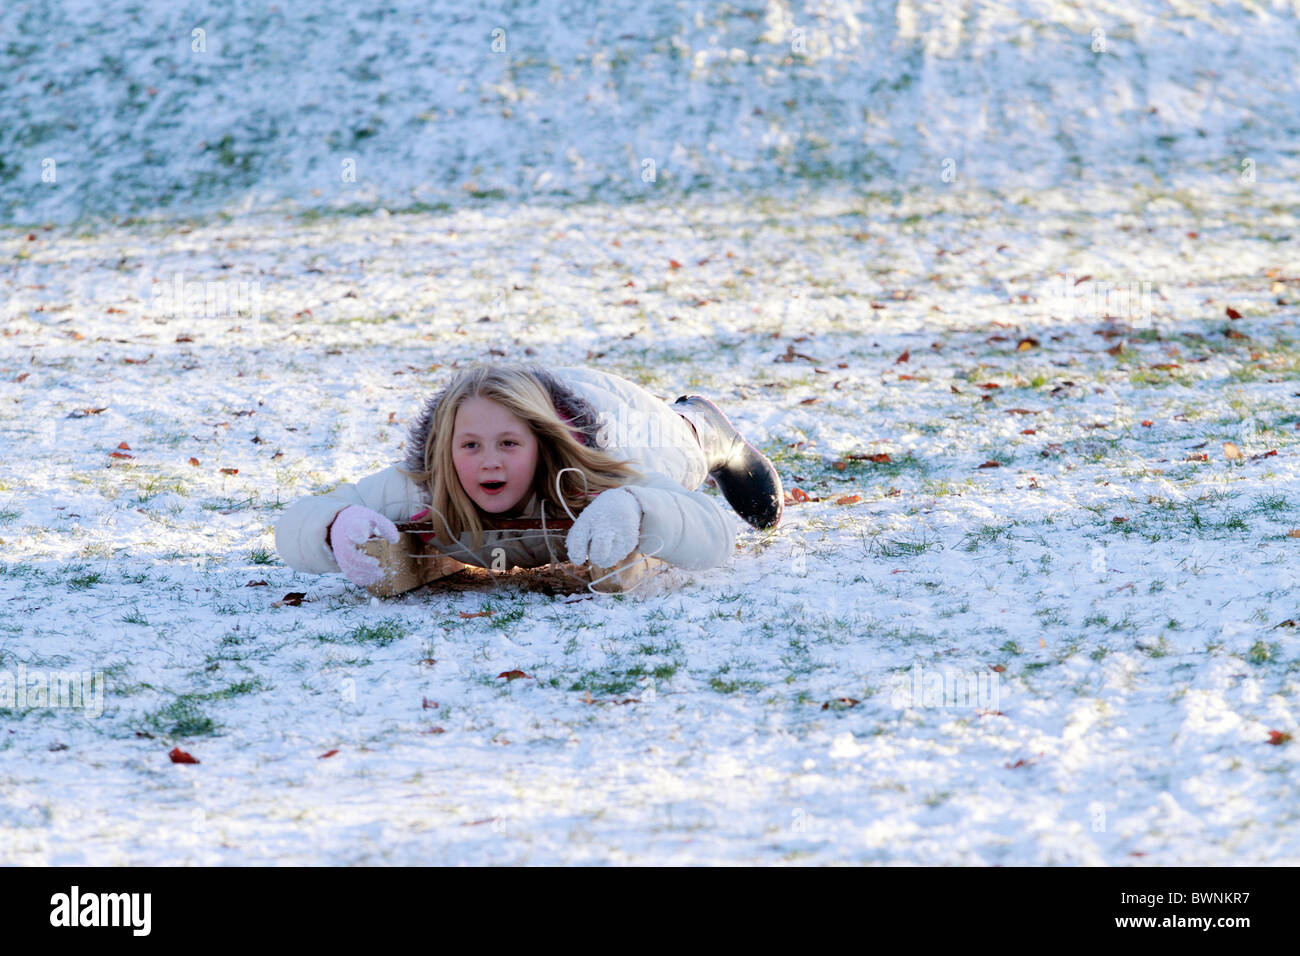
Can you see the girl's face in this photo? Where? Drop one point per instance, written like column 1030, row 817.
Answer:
column 495, row 454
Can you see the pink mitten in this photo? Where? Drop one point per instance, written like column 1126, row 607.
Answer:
column 352, row 528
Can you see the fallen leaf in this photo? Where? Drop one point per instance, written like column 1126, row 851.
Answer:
column 1232, row 313
column 1231, row 452
column 256, row 584
column 1278, row 737
column 1022, row 762
column 988, row 385
column 1201, row 457
column 1026, row 344
column 194, row 462
column 328, row 753
column 809, row 401
column 119, row 454
column 180, row 756
column 230, row 471
column 991, row 464
column 466, row 615
column 841, row 702
column 1146, row 423
column 674, row 264
column 1020, row 411
column 1029, row 431
column 798, row 494
column 892, row 493
column 997, row 667
column 1293, row 533
column 292, row 599
column 847, row 499
column 906, row 356
column 511, row 675
column 1118, row 520
column 839, row 465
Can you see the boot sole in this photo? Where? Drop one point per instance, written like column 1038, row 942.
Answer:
column 750, row 482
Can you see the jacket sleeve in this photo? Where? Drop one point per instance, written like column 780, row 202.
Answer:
column 300, row 532
column 685, row 528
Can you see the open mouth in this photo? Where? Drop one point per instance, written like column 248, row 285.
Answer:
column 491, row 487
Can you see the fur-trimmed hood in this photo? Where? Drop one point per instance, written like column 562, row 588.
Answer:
column 582, row 417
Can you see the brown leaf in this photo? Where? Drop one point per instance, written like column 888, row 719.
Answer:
column 328, row 753
column 991, row 464
column 1118, row 520
column 798, row 494
column 256, row 584
column 841, row 702
column 1232, row 313
column 194, row 462
column 847, row 499
column 1020, row 411
column 905, row 357
column 230, row 471
column 465, row 615
column 809, row 401
column 988, row 385
column 839, row 465
column 1146, row 423
column 1234, row 334
column 512, row 675
column 1025, row 344
column 674, row 264
column 119, row 454
column 23, row 377
column 183, row 338
column 180, row 756
column 1231, row 452
column 292, row 599
column 997, row 667
column 1278, row 737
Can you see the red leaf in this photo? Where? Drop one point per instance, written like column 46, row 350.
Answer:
column 988, row 385
column 230, row 471
column 1278, row 737
column 674, row 264
column 180, row 756
column 1146, row 423
column 119, row 454
column 991, row 464
column 512, row 675
column 328, row 753
column 124, row 446
column 906, row 356
column 194, row 462
column 465, row 615
column 798, row 494
column 847, row 499
column 1232, row 313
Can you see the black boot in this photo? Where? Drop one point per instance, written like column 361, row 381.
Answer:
column 745, row 477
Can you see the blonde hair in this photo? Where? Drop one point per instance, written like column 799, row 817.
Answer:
column 530, row 393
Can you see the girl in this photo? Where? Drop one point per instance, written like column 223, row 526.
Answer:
column 501, row 443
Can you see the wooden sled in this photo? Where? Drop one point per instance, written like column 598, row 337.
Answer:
column 408, row 564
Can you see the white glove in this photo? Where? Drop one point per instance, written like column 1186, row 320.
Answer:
column 607, row 530
column 351, row 529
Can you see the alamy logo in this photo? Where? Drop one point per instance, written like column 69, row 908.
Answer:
column 206, row 299
column 102, row 909
column 23, row 689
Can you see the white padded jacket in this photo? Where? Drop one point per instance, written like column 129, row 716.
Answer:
column 679, row 525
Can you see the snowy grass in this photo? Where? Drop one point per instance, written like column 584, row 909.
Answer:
column 1135, row 602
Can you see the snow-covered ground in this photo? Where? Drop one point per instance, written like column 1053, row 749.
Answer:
column 1043, row 629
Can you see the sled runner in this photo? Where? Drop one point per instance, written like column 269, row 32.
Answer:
column 409, row 564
